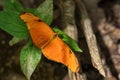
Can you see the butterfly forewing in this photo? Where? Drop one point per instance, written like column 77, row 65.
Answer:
column 40, row 33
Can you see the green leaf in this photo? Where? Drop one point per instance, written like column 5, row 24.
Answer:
column 11, row 23
column 12, row 5
column 14, row 41
column 68, row 40
column 45, row 11
column 29, row 58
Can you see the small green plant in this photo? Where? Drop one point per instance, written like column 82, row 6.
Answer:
column 10, row 22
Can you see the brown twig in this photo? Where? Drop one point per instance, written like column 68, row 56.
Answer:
column 69, row 26
column 90, row 37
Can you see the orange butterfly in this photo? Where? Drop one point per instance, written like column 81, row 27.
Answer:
column 50, row 44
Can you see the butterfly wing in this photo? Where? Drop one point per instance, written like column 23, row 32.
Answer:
column 40, row 32
column 28, row 17
column 58, row 51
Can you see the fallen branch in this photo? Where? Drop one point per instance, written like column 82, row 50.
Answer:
column 68, row 10
column 90, row 37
